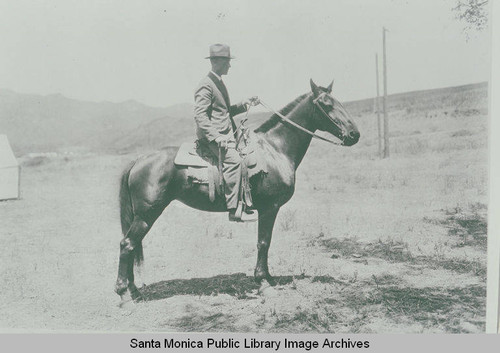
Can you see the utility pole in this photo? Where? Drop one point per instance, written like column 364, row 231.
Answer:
column 377, row 107
column 386, row 118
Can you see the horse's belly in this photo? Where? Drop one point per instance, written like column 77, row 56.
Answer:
column 197, row 196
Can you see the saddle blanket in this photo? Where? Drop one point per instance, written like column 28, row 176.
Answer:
column 189, row 157
column 202, row 167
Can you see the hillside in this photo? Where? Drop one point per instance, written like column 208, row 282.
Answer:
column 37, row 123
column 473, row 96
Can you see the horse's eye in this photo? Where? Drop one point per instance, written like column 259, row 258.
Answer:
column 328, row 103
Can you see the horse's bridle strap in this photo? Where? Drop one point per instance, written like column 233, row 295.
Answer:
column 284, row 118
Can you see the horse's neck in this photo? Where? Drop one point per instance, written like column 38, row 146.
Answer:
column 289, row 140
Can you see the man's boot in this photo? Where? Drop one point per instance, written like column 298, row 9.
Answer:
column 246, row 216
column 232, row 216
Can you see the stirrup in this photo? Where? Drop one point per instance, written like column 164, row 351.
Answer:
column 239, row 210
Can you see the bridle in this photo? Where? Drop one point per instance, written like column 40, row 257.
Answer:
column 317, row 105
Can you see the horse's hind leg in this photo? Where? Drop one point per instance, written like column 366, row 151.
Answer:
column 131, row 243
column 147, row 187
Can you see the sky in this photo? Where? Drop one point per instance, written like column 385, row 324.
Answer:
column 153, row 51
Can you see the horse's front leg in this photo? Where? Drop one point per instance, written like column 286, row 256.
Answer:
column 267, row 217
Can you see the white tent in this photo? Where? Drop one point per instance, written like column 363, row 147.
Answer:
column 9, row 171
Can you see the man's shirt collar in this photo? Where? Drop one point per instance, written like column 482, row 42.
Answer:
column 220, row 78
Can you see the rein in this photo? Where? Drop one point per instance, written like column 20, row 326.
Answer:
column 284, row 118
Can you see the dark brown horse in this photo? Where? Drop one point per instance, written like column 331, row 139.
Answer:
column 153, row 181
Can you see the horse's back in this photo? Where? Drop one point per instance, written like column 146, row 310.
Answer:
column 155, row 161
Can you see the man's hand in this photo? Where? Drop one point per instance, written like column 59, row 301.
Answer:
column 251, row 101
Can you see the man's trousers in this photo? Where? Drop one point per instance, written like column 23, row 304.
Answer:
column 231, row 170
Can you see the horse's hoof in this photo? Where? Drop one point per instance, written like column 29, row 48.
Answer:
column 121, row 288
column 263, row 276
column 266, row 290
column 126, row 303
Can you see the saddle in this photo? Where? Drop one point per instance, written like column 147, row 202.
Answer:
column 202, row 167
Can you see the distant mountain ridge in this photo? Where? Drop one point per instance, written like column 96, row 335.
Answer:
column 36, row 123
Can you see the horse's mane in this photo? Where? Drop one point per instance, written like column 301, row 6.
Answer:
column 274, row 119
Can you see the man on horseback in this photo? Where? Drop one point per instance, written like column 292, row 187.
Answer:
column 216, row 127
column 153, row 181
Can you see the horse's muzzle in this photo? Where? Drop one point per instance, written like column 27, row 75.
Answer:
column 352, row 138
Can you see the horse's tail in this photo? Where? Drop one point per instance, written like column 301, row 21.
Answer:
column 127, row 212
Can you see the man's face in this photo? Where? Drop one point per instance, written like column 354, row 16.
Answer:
column 221, row 65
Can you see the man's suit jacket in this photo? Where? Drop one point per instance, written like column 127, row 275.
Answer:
column 213, row 109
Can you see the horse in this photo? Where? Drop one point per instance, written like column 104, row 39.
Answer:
column 153, row 181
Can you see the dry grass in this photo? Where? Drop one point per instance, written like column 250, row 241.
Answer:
column 358, row 304
column 397, row 251
column 468, row 225
column 432, row 306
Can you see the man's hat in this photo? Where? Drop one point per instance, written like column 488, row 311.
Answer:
column 220, row 51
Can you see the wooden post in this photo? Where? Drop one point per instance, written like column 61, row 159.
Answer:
column 19, row 182
column 377, row 107
column 386, row 118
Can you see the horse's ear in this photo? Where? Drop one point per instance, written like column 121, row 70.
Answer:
column 329, row 88
column 314, row 88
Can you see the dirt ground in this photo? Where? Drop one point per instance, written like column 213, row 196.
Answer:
column 365, row 245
